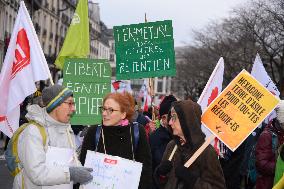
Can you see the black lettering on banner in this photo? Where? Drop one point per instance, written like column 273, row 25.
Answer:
column 234, row 126
column 250, row 89
column 217, row 110
column 232, row 98
column 243, row 96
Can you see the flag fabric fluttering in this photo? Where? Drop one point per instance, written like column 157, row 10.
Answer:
column 144, row 94
column 212, row 89
column 24, row 64
column 77, row 40
column 121, row 86
column 259, row 73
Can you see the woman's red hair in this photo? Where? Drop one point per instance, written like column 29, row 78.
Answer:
column 125, row 101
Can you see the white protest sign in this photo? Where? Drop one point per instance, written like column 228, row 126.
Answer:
column 112, row 172
column 59, row 157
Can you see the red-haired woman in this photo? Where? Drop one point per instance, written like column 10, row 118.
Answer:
column 117, row 113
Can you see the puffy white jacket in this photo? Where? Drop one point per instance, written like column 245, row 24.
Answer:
column 35, row 172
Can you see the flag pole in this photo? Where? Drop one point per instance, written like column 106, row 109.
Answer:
column 151, row 86
column 199, row 151
column 173, row 153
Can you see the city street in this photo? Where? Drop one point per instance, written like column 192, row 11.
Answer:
column 6, row 180
column 112, row 64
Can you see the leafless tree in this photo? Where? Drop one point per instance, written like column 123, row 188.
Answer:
column 257, row 26
column 264, row 19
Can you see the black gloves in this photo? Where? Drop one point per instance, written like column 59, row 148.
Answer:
column 164, row 168
column 187, row 176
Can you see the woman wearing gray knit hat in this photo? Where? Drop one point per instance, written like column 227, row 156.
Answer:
column 49, row 127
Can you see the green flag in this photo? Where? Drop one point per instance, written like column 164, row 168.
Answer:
column 77, row 41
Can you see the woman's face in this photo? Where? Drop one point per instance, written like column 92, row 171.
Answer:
column 111, row 113
column 175, row 125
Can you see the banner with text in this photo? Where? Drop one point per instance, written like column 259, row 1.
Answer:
column 144, row 50
column 238, row 110
column 90, row 81
column 112, row 171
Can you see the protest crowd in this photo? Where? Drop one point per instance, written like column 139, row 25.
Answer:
column 179, row 125
column 87, row 133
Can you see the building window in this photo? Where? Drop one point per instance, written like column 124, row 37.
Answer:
column 111, row 57
column 37, row 28
column 47, row 5
column 51, row 25
column 160, row 87
column 51, row 36
column 44, row 32
column 113, row 72
column 10, row 23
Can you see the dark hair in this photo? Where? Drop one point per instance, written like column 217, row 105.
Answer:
column 125, row 101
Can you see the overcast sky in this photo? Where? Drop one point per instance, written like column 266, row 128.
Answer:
column 185, row 14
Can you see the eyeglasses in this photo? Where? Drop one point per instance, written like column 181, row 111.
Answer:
column 173, row 117
column 70, row 104
column 108, row 110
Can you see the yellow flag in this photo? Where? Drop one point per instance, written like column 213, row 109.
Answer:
column 77, row 40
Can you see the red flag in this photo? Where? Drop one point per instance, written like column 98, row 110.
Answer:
column 116, row 85
column 24, row 64
column 121, row 86
column 146, row 105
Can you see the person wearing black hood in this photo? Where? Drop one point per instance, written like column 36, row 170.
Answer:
column 205, row 172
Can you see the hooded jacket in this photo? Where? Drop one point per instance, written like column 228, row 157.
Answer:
column 211, row 175
column 35, row 173
column 266, row 156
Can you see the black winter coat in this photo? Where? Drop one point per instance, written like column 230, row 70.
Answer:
column 158, row 143
column 118, row 143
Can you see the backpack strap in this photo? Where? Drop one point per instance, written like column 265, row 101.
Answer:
column 98, row 134
column 15, row 139
column 136, row 134
column 42, row 131
column 14, row 142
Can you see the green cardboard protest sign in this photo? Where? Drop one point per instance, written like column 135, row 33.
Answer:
column 90, row 81
column 144, row 50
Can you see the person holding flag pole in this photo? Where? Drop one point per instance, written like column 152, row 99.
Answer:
column 28, row 155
